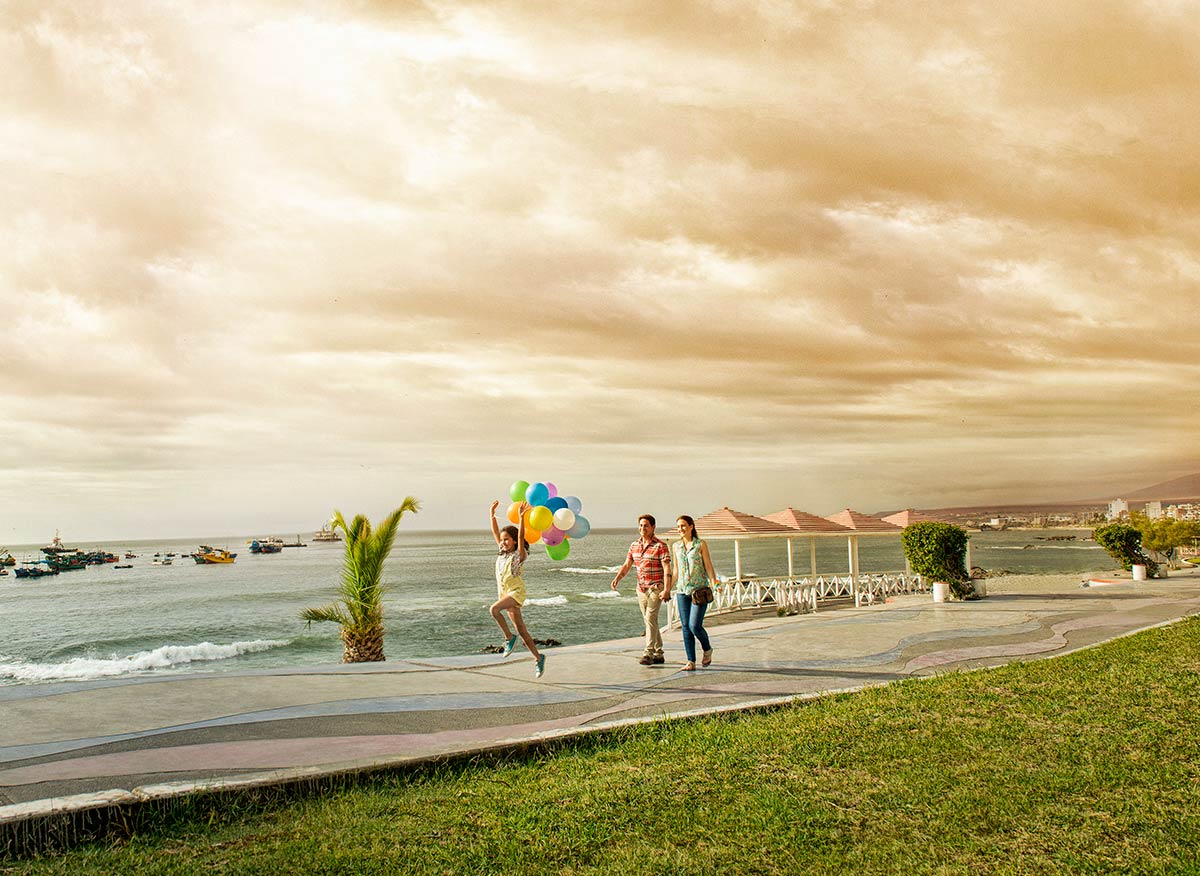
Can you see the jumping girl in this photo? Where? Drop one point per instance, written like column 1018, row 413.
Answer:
column 510, row 589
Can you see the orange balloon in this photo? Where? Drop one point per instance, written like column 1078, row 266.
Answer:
column 514, row 513
column 532, row 535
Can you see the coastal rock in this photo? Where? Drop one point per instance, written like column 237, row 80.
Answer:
column 541, row 643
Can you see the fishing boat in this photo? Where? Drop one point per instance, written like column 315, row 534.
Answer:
column 326, row 534
column 266, row 545
column 209, row 555
column 7, row 559
column 161, row 561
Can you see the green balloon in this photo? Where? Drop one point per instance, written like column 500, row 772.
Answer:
column 517, row 491
column 559, row 551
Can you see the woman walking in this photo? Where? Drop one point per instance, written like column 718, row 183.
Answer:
column 693, row 575
column 510, row 587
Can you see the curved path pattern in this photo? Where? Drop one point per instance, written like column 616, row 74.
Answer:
column 71, row 746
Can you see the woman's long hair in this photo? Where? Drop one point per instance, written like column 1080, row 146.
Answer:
column 691, row 524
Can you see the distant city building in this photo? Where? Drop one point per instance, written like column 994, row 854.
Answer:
column 1154, row 510
column 1117, row 509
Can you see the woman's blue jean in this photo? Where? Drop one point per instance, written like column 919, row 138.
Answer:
column 691, row 619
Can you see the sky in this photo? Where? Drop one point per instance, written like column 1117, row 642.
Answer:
column 260, row 260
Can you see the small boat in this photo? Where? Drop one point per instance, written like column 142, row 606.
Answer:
column 7, row 559
column 266, row 545
column 161, row 561
column 210, row 555
column 3, row 572
column 130, row 556
column 326, row 534
column 123, row 566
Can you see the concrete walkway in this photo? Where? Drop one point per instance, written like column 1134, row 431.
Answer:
column 72, row 746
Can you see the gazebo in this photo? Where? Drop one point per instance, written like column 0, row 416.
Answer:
column 792, row 590
column 860, row 524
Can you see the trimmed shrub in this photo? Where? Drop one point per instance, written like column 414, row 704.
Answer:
column 1124, row 544
column 938, row 552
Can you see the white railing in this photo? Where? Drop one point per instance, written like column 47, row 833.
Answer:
column 803, row 594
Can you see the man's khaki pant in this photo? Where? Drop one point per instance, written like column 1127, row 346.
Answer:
column 649, row 602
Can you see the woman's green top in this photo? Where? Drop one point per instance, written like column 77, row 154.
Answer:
column 690, row 563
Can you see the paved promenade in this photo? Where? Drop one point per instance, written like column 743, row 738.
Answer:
column 70, row 746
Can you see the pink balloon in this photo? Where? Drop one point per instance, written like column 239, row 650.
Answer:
column 553, row 536
column 553, row 489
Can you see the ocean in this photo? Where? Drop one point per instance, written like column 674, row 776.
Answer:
column 103, row 622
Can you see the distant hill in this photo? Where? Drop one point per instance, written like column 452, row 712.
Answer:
column 1186, row 487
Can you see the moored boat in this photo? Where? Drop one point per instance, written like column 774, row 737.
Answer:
column 326, row 534
column 209, row 555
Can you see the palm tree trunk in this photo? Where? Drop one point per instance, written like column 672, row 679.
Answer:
column 364, row 647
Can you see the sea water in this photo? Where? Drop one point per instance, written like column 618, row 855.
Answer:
column 150, row 619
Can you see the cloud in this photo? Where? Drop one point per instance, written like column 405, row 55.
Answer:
column 740, row 253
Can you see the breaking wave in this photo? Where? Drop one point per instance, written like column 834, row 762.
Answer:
column 548, row 600
column 84, row 668
column 576, row 570
column 603, row 594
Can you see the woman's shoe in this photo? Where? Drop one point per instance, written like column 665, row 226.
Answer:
column 688, row 667
column 508, row 646
column 541, row 666
column 707, row 657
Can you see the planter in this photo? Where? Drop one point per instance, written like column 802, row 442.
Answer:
column 941, row 591
column 1139, row 572
column 980, row 588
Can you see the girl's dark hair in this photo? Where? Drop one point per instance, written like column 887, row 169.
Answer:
column 515, row 533
column 691, row 523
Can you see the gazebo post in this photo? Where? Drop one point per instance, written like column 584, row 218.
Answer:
column 737, row 559
column 969, row 563
column 852, row 556
column 791, row 567
column 812, row 556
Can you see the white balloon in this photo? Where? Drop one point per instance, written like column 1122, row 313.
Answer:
column 564, row 518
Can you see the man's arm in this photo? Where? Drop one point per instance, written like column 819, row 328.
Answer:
column 621, row 572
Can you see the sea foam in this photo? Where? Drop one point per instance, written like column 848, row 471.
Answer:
column 548, row 600
column 576, row 570
column 83, row 668
column 602, row 594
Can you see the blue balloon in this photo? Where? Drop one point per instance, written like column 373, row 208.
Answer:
column 556, row 502
column 537, row 494
column 574, row 504
column 581, row 527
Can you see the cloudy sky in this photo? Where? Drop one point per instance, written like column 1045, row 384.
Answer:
column 260, row 260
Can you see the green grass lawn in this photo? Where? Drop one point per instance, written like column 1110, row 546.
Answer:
column 1089, row 763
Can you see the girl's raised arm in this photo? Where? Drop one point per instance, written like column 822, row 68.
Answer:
column 522, row 550
column 495, row 525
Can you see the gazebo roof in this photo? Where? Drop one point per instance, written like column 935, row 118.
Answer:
column 908, row 515
column 803, row 522
column 727, row 523
column 862, row 522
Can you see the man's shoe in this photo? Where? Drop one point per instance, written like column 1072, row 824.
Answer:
column 646, row 660
column 541, row 666
column 508, row 646
column 659, row 659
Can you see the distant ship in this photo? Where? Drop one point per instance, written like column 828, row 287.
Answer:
column 326, row 534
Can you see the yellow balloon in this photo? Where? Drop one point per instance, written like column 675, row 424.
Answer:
column 540, row 518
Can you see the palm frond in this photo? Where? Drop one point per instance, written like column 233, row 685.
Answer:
column 332, row 613
column 361, row 588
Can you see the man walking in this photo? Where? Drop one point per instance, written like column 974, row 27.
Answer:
column 653, row 561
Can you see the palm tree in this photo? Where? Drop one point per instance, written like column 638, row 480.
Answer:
column 360, row 611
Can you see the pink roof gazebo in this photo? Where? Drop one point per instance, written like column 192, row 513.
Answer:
column 862, row 523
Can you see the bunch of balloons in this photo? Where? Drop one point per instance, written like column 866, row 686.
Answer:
column 551, row 519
